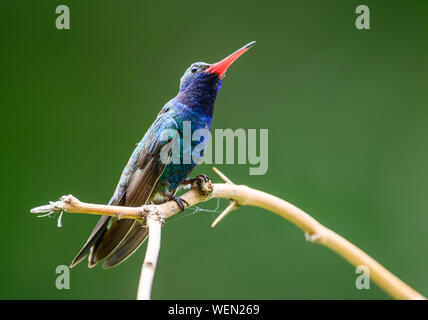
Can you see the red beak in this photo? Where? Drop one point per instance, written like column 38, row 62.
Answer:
column 220, row 67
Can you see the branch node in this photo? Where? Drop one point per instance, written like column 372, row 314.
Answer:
column 152, row 211
column 312, row 238
column 148, row 264
column 69, row 199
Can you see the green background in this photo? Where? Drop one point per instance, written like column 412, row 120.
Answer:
column 347, row 117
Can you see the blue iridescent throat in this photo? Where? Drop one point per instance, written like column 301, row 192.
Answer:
column 200, row 92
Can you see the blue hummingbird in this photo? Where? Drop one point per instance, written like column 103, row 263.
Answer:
column 149, row 178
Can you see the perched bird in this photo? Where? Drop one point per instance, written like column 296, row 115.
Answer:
column 148, row 178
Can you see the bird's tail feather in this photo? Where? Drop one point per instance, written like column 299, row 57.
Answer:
column 127, row 247
column 112, row 239
column 95, row 236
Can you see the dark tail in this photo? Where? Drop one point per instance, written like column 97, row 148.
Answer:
column 95, row 236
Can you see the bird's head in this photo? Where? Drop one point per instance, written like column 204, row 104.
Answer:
column 204, row 77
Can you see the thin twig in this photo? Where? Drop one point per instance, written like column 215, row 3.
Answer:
column 150, row 260
column 222, row 176
column 243, row 195
column 232, row 205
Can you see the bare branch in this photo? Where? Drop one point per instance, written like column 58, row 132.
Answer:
column 240, row 195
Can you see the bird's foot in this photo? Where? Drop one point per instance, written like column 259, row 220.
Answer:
column 180, row 202
column 202, row 183
column 201, row 177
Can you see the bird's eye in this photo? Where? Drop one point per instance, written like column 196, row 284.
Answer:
column 194, row 69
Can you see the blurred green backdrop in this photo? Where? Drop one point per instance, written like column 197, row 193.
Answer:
column 347, row 117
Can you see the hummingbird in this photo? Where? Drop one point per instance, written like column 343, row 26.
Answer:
column 149, row 179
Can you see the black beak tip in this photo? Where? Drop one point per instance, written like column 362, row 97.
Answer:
column 248, row 46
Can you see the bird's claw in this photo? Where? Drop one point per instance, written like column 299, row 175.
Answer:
column 203, row 183
column 202, row 177
column 180, row 202
column 200, row 180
